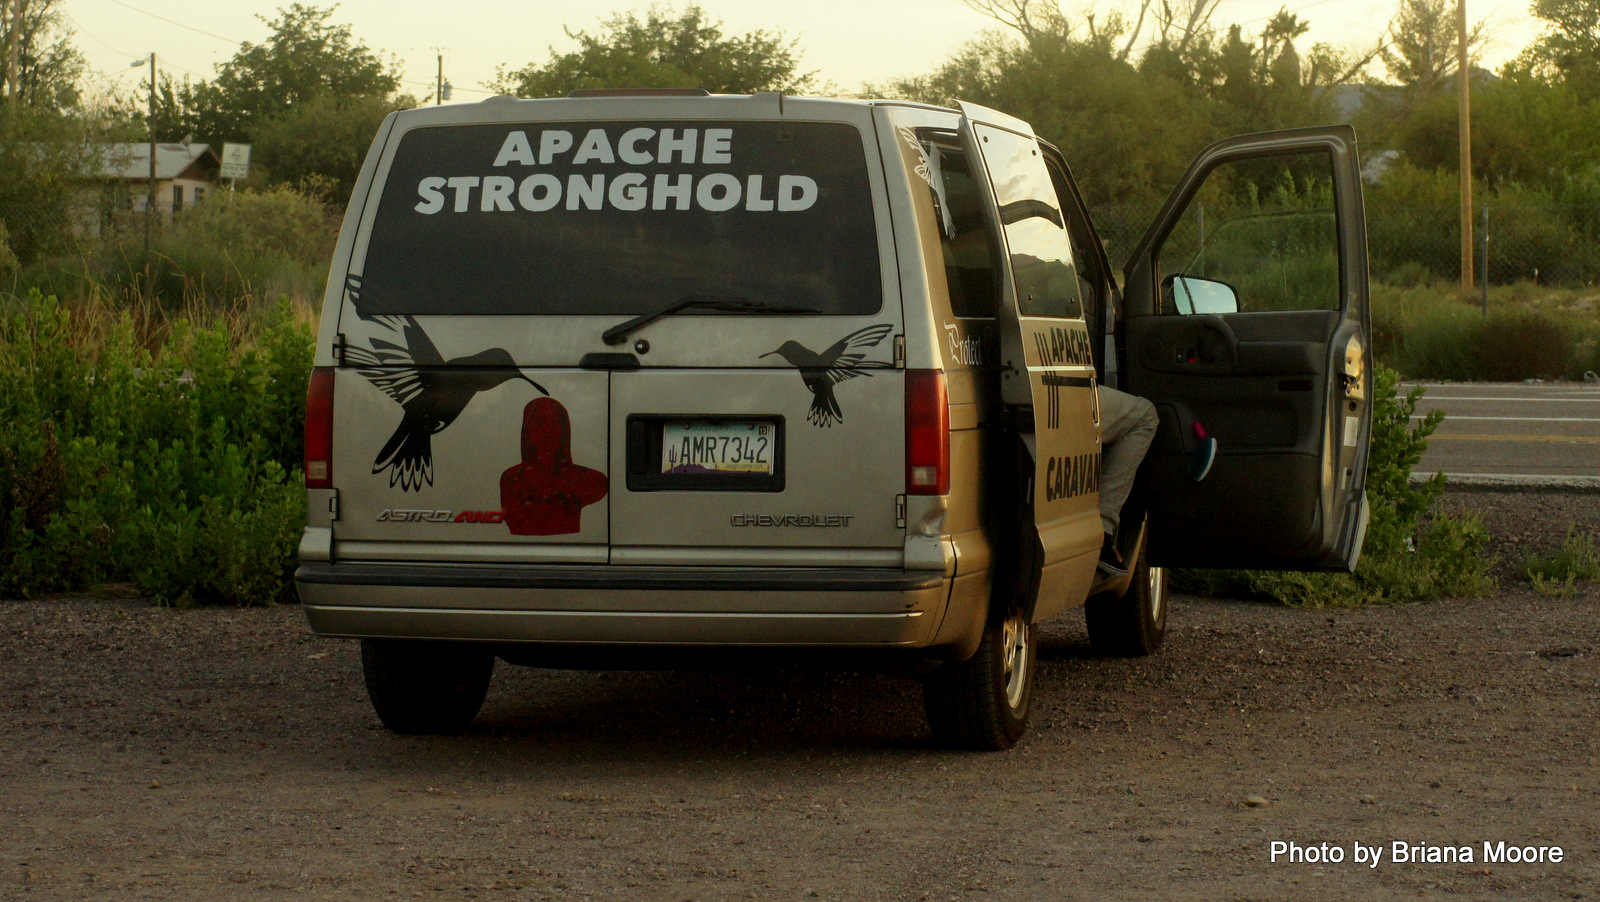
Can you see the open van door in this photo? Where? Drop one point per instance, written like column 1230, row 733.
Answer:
column 1048, row 382
column 1247, row 321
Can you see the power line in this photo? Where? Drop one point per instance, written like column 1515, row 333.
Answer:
column 77, row 26
column 429, row 84
column 176, row 22
column 230, row 41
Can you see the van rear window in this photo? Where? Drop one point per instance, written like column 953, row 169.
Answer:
column 622, row 218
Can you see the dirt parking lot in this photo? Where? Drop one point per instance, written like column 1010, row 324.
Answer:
column 151, row 753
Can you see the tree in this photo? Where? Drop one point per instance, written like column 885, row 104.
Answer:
column 1569, row 51
column 44, row 155
column 319, row 145
column 41, row 66
column 665, row 50
column 1128, row 134
column 1423, row 48
column 305, row 58
column 1524, row 130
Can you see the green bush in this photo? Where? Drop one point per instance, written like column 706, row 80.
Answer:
column 1554, row 574
column 1410, row 554
column 176, row 469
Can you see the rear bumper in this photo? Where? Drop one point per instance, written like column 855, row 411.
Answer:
column 837, row 607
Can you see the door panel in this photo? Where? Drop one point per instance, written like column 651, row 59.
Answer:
column 1048, row 380
column 1247, row 321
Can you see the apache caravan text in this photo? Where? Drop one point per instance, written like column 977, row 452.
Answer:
column 714, row 192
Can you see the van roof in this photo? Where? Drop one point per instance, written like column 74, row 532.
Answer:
column 770, row 104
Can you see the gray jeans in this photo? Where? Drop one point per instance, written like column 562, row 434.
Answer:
column 1127, row 424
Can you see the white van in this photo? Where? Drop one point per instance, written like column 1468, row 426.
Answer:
column 665, row 369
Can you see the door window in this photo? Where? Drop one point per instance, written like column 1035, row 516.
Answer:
column 1260, row 235
column 1041, row 256
column 964, row 240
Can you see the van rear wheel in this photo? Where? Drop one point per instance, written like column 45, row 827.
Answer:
column 1134, row 625
column 426, row 687
column 982, row 703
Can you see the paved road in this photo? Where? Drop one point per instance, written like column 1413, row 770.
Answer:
column 1515, row 433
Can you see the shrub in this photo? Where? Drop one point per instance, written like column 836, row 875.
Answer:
column 1579, row 558
column 175, row 468
column 1409, row 555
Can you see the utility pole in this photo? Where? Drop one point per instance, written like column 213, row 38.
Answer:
column 150, row 199
column 438, row 86
column 13, row 52
column 1463, row 86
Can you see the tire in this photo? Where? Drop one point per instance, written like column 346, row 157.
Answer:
column 426, row 687
column 1134, row 625
column 982, row 703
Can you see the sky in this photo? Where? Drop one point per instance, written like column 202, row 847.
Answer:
column 846, row 42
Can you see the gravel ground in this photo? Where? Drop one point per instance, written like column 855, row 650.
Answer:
column 151, row 753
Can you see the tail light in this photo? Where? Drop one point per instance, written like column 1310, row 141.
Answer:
column 319, row 429
column 927, row 433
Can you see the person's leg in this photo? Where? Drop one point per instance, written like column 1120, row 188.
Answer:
column 1127, row 425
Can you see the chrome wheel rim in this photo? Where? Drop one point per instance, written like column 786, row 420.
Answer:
column 1158, row 593
column 1014, row 643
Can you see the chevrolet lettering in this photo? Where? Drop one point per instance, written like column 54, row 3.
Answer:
column 655, row 373
column 820, row 520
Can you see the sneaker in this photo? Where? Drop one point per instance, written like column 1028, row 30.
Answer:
column 1111, row 562
column 1204, row 456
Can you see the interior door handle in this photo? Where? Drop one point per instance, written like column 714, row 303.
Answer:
column 1350, row 374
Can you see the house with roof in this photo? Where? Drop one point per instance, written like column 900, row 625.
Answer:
column 185, row 174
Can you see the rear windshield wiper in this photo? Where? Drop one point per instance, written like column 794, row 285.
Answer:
column 730, row 304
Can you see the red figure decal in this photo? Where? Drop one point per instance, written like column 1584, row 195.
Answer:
column 545, row 494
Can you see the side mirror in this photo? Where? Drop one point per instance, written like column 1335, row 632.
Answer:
column 1191, row 295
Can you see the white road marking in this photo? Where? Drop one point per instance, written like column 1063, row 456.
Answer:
column 1426, row 398
column 1454, row 417
column 1470, row 437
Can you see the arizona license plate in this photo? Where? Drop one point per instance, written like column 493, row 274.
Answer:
column 689, row 447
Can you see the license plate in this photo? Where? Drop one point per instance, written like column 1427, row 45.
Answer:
column 690, row 447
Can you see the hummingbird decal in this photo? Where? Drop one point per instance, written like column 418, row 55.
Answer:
column 430, row 390
column 842, row 360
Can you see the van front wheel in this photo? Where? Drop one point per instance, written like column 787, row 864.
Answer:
column 426, row 687
column 1134, row 625
column 982, row 703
